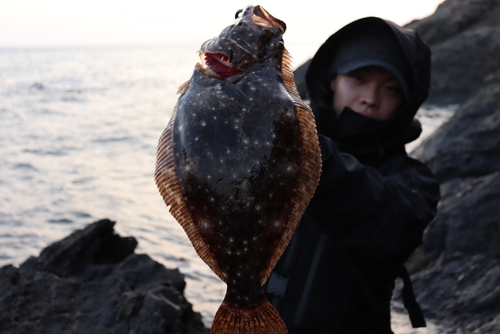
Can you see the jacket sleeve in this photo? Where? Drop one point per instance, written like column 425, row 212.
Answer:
column 361, row 208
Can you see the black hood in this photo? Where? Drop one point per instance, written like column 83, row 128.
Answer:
column 359, row 134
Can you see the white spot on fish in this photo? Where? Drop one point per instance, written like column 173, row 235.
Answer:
column 203, row 123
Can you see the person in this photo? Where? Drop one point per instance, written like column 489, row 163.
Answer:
column 373, row 202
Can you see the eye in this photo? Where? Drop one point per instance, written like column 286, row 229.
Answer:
column 238, row 12
column 393, row 89
column 356, row 76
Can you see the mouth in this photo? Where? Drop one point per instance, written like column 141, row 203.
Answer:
column 219, row 63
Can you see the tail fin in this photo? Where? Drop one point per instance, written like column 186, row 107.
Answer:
column 263, row 319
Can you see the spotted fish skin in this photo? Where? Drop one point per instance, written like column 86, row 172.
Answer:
column 238, row 164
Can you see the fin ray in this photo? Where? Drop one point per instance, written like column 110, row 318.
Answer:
column 263, row 319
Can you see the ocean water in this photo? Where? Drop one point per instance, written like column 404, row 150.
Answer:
column 78, row 134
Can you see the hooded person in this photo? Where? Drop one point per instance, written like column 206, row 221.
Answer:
column 373, row 202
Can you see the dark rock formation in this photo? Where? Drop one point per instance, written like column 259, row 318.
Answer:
column 468, row 145
column 93, row 282
column 461, row 247
column 464, row 36
column 457, row 268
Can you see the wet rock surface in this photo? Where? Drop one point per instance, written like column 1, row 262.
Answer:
column 93, row 282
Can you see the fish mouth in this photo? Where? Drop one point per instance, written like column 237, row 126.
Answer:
column 218, row 64
column 240, row 45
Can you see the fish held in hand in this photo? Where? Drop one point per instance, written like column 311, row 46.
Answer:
column 239, row 162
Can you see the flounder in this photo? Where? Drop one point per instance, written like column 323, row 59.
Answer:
column 239, row 162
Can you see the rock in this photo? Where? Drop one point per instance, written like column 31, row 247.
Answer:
column 468, row 220
column 464, row 36
column 468, row 145
column 453, row 17
column 456, row 271
column 457, row 71
column 461, row 293
column 93, row 282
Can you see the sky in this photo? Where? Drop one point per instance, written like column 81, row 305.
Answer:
column 111, row 22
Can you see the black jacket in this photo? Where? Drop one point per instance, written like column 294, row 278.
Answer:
column 368, row 213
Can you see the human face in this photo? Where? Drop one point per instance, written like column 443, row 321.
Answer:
column 370, row 91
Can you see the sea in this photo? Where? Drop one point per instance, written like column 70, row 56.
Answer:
column 79, row 126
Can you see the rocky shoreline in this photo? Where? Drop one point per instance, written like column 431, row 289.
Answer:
column 457, row 269
column 93, row 282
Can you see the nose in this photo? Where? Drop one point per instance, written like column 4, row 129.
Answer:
column 369, row 99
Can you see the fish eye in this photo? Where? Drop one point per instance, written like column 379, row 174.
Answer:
column 238, row 12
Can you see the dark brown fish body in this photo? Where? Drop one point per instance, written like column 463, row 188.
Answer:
column 238, row 164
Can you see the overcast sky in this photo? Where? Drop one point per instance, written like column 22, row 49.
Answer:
column 89, row 22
